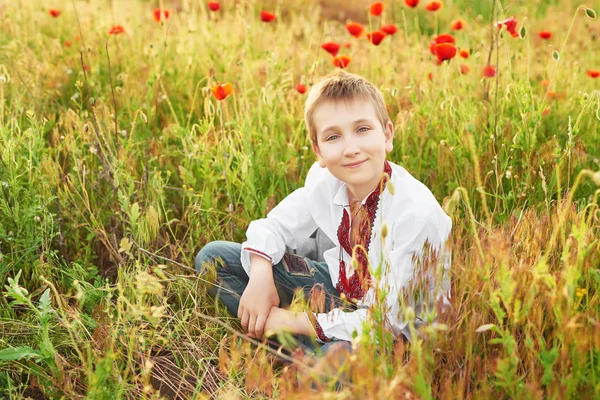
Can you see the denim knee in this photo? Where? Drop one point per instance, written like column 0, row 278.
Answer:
column 207, row 255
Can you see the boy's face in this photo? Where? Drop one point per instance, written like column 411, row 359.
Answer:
column 350, row 132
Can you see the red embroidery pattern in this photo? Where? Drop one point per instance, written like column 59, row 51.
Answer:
column 260, row 253
column 321, row 334
column 316, row 326
column 355, row 287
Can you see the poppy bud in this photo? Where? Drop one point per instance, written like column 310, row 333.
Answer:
column 391, row 188
column 384, row 230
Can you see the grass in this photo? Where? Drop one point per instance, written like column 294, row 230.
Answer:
column 117, row 165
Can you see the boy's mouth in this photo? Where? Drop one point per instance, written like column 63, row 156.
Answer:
column 354, row 165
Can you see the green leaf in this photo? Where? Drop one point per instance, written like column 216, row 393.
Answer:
column 134, row 213
column 18, row 293
column 44, row 304
column 523, row 32
column 590, row 13
column 18, row 353
column 555, row 55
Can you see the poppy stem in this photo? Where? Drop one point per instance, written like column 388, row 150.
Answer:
column 492, row 26
column 405, row 27
column 225, row 172
column 112, row 88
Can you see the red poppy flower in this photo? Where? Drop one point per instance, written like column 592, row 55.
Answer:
column 546, row 111
column 356, row 29
column 430, row 76
column 341, row 61
column 222, row 91
column 68, row 43
column 464, row 53
column 444, row 51
column 593, row 73
column 489, row 71
column 87, row 67
column 389, row 29
column 77, row 38
column 375, row 37
column 376, row 9
column 266, row 16
column 545, row 35
column 158, row 14
column 551, row 94
column 213, row 6
column 331, row 47
column 433, row 6
column 444, row 38
column 116, row 29
column 411, row 3
column 347, row 45
column 458, row 25
column 511, row 25
column 464, row 69
column 54, row 12
column 545, row 83
column 301, row 88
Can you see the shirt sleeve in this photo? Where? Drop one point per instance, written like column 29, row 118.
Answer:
column 417, row 243
column 418, row 269
column 289, row 220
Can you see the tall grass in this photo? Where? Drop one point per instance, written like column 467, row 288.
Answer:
column 104, row 203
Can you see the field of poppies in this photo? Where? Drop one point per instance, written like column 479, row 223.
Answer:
column 134, row 132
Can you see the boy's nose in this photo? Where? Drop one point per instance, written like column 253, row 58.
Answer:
column 351, row 147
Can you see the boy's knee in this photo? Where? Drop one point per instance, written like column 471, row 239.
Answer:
column 206, row 255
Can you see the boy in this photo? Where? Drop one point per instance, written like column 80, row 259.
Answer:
column 365, row 204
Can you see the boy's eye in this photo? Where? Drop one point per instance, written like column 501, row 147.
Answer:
column 363, row 127
column 330, row 137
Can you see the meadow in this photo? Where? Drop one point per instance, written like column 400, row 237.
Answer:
column 121, row 156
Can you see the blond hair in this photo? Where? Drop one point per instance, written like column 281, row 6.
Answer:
column 344, row 86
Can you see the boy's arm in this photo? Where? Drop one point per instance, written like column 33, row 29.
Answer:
column 417, row 242
column 290, row 219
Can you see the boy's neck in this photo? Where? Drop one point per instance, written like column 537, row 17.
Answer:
column 359, row 194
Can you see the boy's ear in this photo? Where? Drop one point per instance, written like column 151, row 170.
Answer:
column 318, row 153
column 389, row 136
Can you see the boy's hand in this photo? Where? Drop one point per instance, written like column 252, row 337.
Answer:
column 256, row 302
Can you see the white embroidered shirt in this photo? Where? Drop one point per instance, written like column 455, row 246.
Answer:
column 413, row 217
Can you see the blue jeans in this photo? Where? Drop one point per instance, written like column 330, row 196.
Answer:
column 292, row 273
